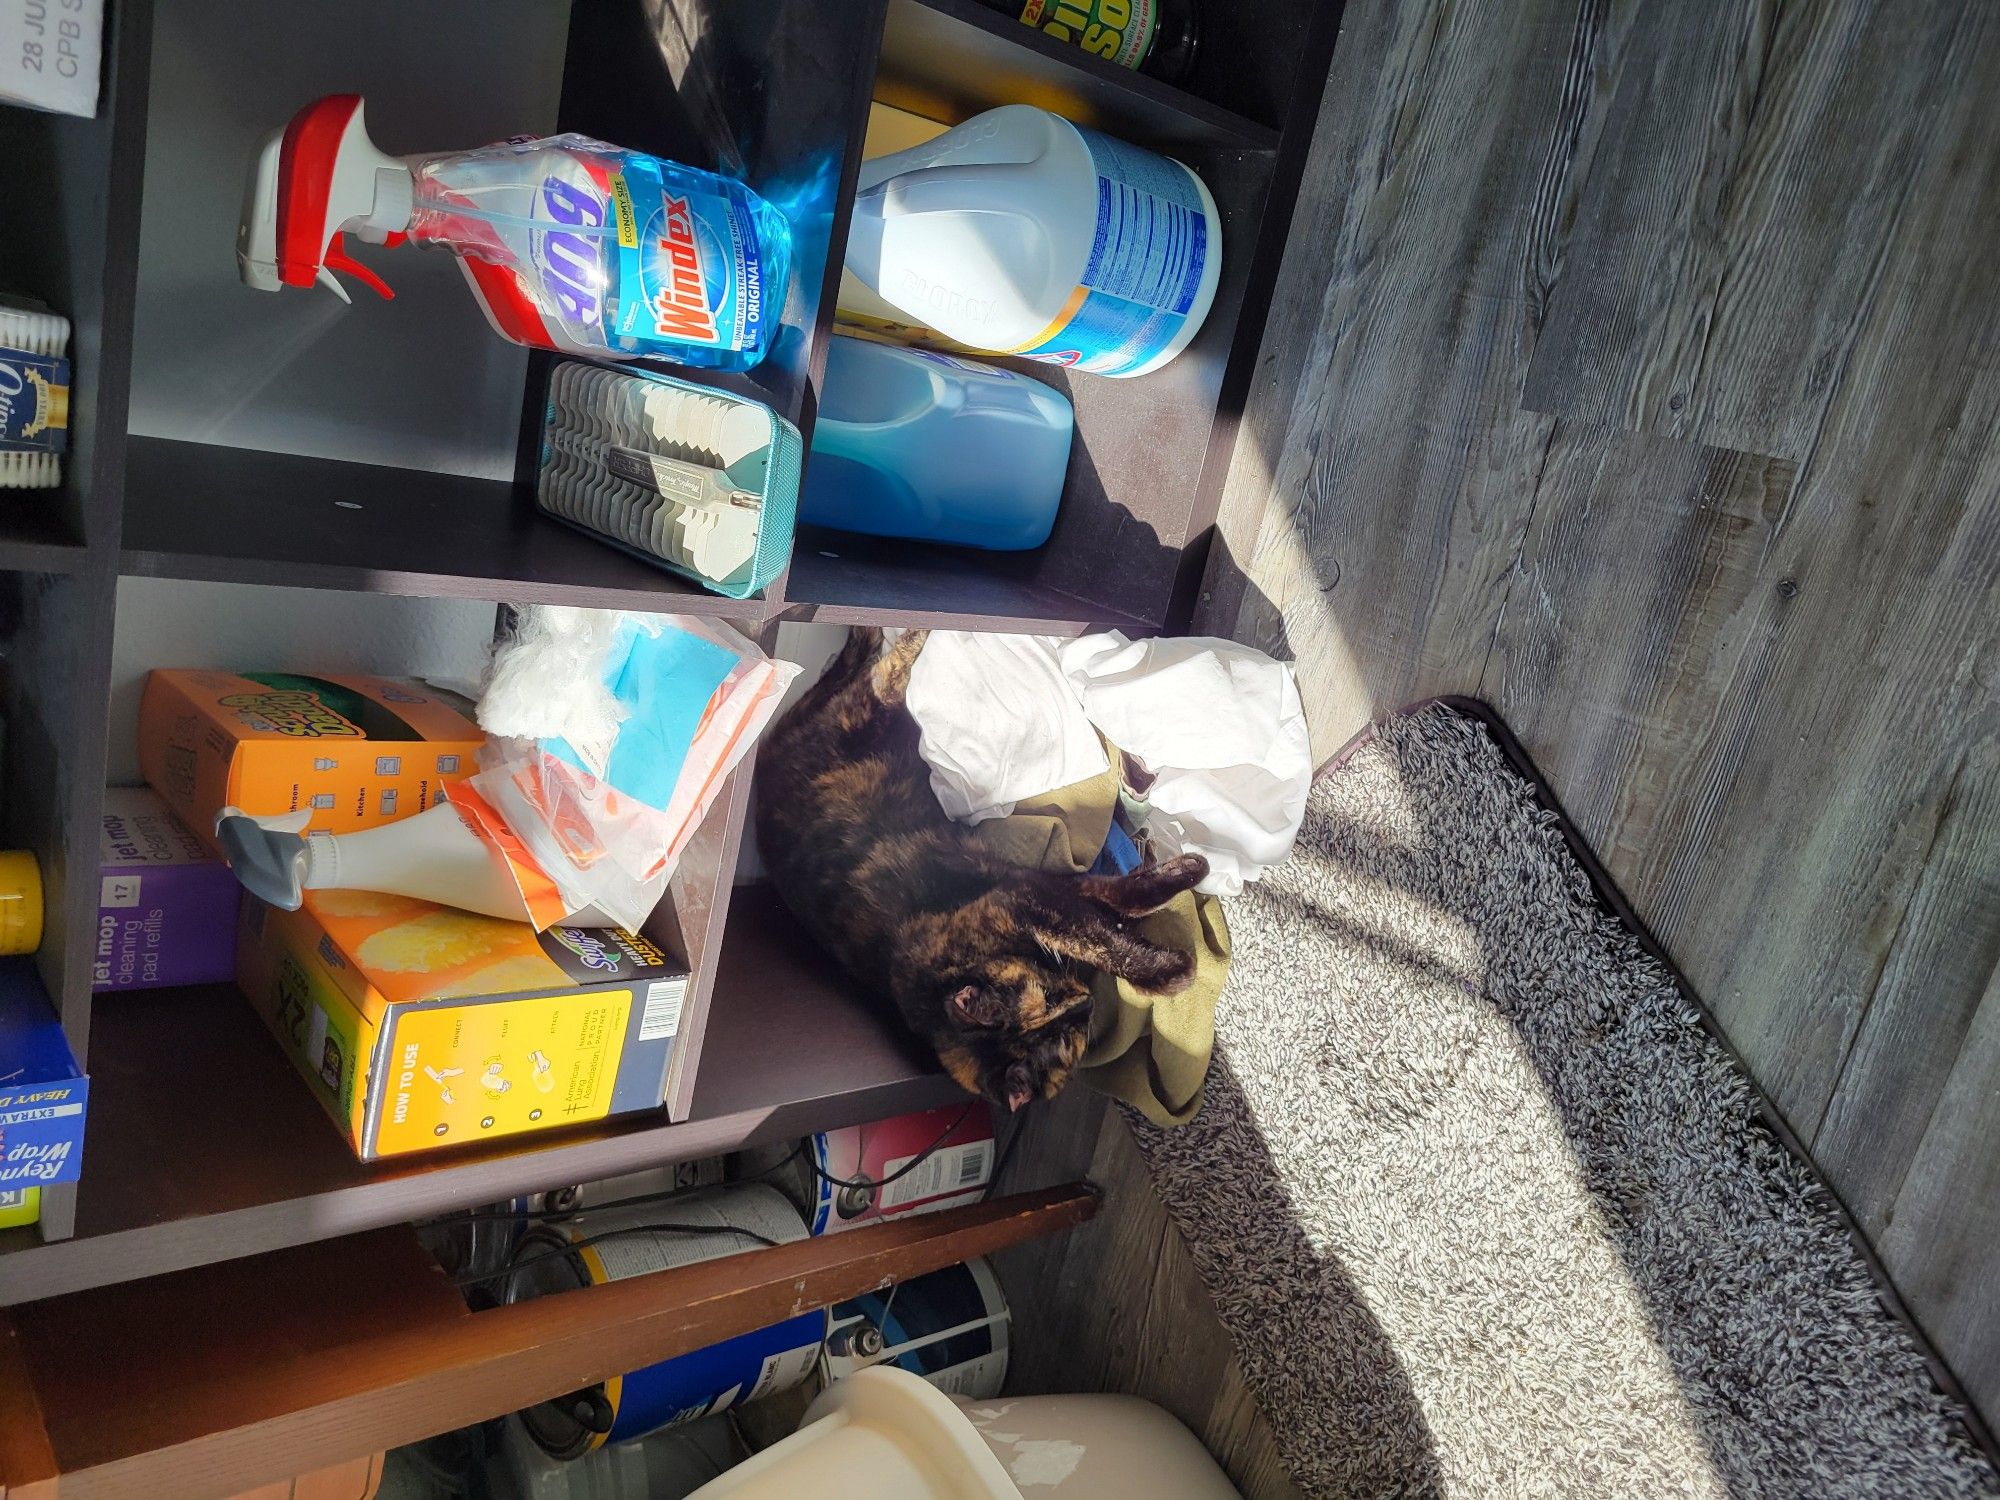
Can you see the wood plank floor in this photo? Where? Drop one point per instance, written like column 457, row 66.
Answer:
column 1637, row 368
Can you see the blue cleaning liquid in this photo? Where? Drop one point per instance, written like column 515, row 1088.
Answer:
column 709, row 268
column 613, row 253
column 911, row 443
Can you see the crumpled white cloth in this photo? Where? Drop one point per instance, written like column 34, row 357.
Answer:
column 1218, row 725
column 997, row 721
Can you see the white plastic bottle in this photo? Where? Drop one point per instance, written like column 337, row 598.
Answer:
column 432, row 856
column 1020, row 233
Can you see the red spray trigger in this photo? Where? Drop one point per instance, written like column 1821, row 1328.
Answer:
column 337, row 259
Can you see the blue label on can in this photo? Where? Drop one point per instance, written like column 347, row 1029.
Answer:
column 1148, row 255
column 714, row 1379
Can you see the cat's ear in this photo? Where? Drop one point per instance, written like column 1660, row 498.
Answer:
column 1146, row 890
column 1020, row 1087
column 975, row 1005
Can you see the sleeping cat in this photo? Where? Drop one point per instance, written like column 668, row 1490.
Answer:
column 986, row 961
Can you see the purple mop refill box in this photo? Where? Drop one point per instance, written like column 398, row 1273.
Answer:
column 166, row 906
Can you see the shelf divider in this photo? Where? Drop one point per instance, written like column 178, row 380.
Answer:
column 235, row 515
column 60, row 616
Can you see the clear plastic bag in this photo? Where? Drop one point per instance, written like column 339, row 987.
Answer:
column 574, row 245
column 612, row 734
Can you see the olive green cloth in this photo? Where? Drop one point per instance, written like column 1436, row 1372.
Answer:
column 1151, row 1051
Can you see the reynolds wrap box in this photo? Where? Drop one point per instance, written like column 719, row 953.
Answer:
column 420, row 1025
column 353, row 751
column 166, row 907
column 43, row 1096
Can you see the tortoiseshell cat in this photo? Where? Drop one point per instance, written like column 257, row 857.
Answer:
column 986, row 961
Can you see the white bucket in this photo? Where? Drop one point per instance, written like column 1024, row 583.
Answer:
column 883, row 1434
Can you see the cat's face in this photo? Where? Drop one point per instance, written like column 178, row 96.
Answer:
column 1013, row 1028
column 1006, row 985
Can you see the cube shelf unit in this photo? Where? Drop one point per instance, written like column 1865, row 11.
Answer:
column 224, row 436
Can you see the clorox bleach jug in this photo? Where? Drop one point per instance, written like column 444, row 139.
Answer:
column 569, row 244
column 1020, row 233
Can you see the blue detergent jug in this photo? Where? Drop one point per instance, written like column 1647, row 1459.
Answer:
column 911, row 443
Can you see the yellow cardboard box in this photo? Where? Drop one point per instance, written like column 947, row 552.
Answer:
column 421, row 1026
column 355, row 751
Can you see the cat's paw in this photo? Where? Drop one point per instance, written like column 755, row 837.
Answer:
column 1183, row 872
column 1149, row 888
column 1170, row 973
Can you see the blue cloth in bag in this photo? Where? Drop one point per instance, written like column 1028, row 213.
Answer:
column 664, row 683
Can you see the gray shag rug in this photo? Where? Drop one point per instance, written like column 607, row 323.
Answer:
column 1485, row 1209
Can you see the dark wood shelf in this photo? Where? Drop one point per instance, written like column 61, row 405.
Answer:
column 789, row 1035
column 76, row 250
column 204, row 1144
column 841, row 578
column 33, row 541
column 250, row 1373
column 235, row 515
column 1017, row 64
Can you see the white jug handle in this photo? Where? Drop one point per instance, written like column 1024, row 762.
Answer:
column 971, row 188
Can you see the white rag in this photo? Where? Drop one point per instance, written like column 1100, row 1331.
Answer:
column 1222, row 731
column 1218, row 725
column 997, row 722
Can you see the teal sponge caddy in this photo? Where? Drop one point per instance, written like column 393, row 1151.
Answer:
column 778, row 499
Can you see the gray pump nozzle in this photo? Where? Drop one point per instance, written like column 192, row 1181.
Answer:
column 268, row 858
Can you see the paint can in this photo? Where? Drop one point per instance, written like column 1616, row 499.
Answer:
column 949, row 1326
column 653, row 1182
column 476, row 1246
column 832, row 1176
column 555, row 1258
column 481, row 1243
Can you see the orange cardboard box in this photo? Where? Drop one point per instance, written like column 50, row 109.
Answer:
column 355, row 751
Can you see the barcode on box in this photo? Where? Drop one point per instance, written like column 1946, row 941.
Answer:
column 662, row 1015
column 972, row 1166
column 940, row 1175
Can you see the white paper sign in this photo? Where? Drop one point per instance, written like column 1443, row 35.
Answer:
column 50, row 53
